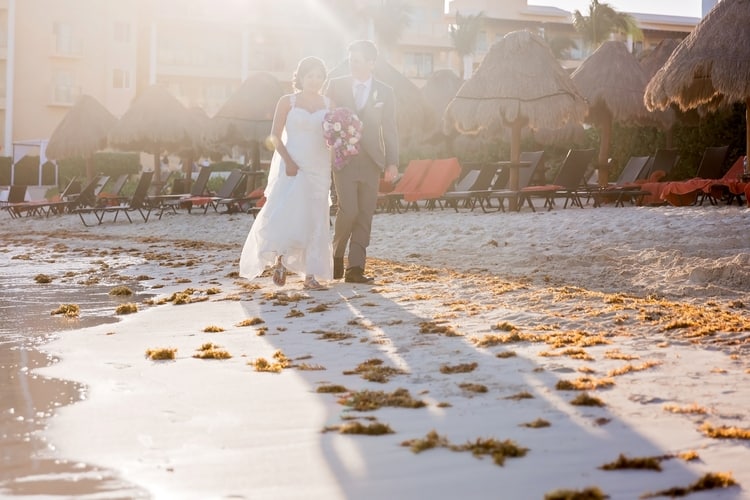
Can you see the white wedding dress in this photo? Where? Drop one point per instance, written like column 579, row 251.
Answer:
column 294, row 222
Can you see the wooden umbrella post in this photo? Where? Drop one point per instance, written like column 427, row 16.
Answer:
column 515, row 156
column 187, row 171
column 89, row 167
column 157, row 169
column 603, row 160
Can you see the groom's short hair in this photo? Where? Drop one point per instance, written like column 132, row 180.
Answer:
column 365, row 47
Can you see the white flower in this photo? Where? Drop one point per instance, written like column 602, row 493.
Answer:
column 353, row 140
column 337, row 126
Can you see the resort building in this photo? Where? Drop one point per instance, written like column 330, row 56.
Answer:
column 52, row 51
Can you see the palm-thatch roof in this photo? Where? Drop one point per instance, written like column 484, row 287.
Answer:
column 519, row 80
column 439, row 90
column 156, row 121
column 652, row 61
column 519, row 83
column 247, row 115
column 710, row 65
column 414, row 116
column 709, row 68
column 83, row 130
column 613, row 82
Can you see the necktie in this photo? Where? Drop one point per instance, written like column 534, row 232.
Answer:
column 359, row 96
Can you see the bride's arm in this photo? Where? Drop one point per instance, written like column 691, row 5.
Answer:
column 279, row 121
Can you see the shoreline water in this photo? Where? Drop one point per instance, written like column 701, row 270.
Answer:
column 29, row 466
column 195, row 428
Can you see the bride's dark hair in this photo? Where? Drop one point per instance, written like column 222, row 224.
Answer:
column 304, row 67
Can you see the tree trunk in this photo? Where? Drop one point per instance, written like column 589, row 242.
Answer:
column 187, row 171
column 515, row 157
column 157, row 168
column 89, row 168
column 603, row 160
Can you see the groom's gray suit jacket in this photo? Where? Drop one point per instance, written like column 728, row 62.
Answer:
column 379, row 130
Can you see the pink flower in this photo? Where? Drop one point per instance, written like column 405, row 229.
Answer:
column 342, row 130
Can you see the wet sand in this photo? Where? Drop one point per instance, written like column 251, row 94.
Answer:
column 29, row 466
column 198, row 429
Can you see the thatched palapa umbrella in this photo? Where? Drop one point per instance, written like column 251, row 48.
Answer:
column 651, row 63
column 519, row 83
column 156, row 121
column 245, row 119
column 655, row 59
column 613, row 83
column 82, row 132
column 438, row 91
column 710, row 66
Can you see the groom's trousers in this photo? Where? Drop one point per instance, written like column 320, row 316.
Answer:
column 357, row 192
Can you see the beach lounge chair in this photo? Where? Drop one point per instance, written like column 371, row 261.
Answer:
column 16, row 204
column 174, row 201
column 58, row 204
column 110, row 193
column 728, row 186
column 136, row 204
column 87, row 196
column 532, row 162
column 697, row 190
column 691, row 191
column 477, row 180
column 408, row 183
column 652, row 181
column 712, row 163
column 440, row 175
column 625, row 188
column 662, row 165
column 566, row 185
column 229, row 193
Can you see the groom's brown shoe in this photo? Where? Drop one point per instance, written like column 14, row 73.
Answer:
column 357, row 275
column 338, row 268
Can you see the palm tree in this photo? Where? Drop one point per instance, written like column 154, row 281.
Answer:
column 389, row 21
column 464, row 35
column 561, row 46
column 602, row 22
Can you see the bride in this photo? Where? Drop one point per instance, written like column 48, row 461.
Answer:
column 291, row 231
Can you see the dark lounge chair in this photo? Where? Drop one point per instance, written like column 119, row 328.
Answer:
column 625, row 187
column 567, row 183
column 531, row 162
column 483, row 175
column 136, row 204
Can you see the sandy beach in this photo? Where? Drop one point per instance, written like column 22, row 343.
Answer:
column 484, row 331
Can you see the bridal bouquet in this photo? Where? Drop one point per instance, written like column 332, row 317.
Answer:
column 342, row 130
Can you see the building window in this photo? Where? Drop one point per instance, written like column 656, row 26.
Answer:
column 417, row 64
column 122, row 32
column 65, row 44
column 120, row 79
column 64, row 90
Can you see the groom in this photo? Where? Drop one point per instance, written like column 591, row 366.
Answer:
column 357, row 183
